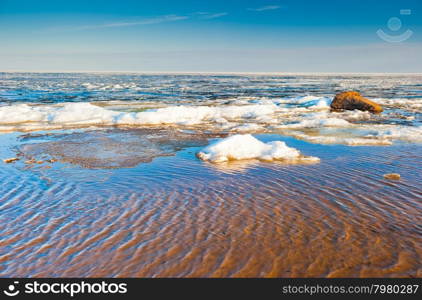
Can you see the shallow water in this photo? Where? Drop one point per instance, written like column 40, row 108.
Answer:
column 108, row 182
column 179, row 216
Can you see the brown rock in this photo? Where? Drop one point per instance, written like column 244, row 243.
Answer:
column 10, row 160
column 392, row 176
column 354, row 100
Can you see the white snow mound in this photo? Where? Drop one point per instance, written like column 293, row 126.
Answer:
column 245, row 146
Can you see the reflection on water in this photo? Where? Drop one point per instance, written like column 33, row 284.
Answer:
column 179, row 216
column 242, row 166
column 234, row 166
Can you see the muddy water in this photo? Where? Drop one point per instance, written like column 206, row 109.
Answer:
column 176, row 216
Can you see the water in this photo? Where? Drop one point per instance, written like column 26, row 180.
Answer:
column 131, row 199
column 83, row 87
column 290, row 105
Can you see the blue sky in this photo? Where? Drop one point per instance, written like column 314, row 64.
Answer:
column 210, row 36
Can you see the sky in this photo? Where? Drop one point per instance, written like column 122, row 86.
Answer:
column 211, row 36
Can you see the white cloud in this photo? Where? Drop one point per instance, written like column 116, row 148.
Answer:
column 264, row 8
column 149, row 21
column 207, row 15
column 214, row 16
column 156, row 20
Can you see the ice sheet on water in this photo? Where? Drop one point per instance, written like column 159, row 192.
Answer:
column 295, row 105
column 108, row 148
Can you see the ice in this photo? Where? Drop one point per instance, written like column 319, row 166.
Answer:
column 89, row 114
column 106, row 149
column 293, row 105
column 404, row 133
column 350, row 141
column 250, row 127
column 361, row 135
column 241, row 118
column 316, row 123
column 239, row 147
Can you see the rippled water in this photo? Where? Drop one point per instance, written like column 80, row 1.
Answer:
column 77, row 87
column 135, row 201
column 178, row 216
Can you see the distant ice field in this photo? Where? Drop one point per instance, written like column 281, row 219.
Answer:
column 292, row 105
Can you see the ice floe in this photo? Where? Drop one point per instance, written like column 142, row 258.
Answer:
column 239, row 147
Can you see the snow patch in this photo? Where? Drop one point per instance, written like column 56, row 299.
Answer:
column 239, row 147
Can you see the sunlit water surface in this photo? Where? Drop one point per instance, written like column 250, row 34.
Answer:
column 158, row 215
column 133, row 200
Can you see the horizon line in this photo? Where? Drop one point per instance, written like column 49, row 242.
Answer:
column 212, row 72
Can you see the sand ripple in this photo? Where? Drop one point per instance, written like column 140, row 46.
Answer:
column 178, row 216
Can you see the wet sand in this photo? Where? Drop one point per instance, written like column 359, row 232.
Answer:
column 172, row 215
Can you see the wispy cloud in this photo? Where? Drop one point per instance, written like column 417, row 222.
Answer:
column 208, row 16
column 140, row 22
column 214, row 16
column 156, row 20
column 264, row 8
